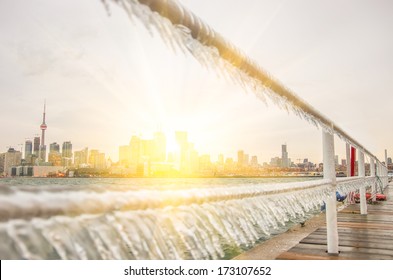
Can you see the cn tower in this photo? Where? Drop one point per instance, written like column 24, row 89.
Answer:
column 43, row 126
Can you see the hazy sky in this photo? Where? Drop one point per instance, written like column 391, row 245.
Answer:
column 105, row 78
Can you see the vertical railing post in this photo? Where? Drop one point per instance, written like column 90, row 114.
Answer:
column 386, row 169
column 385, row 179
column 362, row 191
column 348, row 154
column 378, row 170
column 372, row 174
column 386, row 175
column 329, row 172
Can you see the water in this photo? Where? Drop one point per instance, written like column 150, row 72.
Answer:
column 148, row 218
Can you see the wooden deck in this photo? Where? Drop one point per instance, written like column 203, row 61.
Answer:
column 361, row 237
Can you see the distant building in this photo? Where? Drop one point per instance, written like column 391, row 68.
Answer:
column 36, row 146
column 140, row 154
column 246, row 160
column 183, row 161
column 135, row 150
column 54, row 147
column 284, row 156
column 42, row 153
column 28, row 150
column 125, row 155
column 254, row 161
column 240, row 158
column 81, row 157
column 97, row 159
column 66, row 153
column 159, row 153
column 54, row 157
column 220, row 159
column 275, row 162
column 9, row 159
column 205, row 164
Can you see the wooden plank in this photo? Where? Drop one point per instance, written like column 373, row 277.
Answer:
column 352, row 243
column 355, row 237
column 359, row 231
column 369, row 218
column 343, row 254
column 365, row 225
column 302, row 256
column 348, row 249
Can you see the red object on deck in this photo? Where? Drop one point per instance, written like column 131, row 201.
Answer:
column 353, row 158
column 379, row 197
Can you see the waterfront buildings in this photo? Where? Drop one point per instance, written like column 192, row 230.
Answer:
column 9, row 159
column 142, row 157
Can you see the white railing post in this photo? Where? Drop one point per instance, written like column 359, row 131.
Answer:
column 329, row 172
column 348, row 154
column 362, row 190
column 372, row 174
column 386, row 169
column 386, row 175
column 378, row 170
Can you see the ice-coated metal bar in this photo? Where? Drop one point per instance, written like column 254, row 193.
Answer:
column 329, row 173
column 348, row 156
column 178, row 15
column 362, row 190
column 372, row 174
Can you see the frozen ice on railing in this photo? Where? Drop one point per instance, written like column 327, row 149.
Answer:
column 352, row 185
column 176, row 37
column 190, row 224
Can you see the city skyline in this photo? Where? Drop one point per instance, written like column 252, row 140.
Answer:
column 106, row 79
column 171, row 145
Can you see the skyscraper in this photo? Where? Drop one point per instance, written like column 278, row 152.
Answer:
column 54, row 156
column 28, row 150
column 66, row 153
column 81, row 157
column 254, row 161
column 284, row 156
column 159, row 147
column 135, row 149
column 240, row 158
column 54, row 147
column 36, row 146
column 124, row 154
column 97, row 159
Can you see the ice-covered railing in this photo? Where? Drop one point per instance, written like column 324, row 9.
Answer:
column 181, row 30
column 352, row 184
column 206, row 223
column 25, row 204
